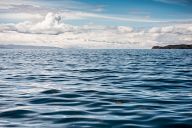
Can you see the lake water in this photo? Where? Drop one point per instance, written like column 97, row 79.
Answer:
column 95, row 88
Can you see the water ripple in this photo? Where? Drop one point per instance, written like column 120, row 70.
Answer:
column 96, row 88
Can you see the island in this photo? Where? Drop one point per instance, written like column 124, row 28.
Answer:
column 12, row 46
column 180, row 46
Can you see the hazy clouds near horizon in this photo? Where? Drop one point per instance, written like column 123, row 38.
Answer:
column 51, row 26
column 51, row 31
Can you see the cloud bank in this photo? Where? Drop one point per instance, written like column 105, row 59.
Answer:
column 52, row 31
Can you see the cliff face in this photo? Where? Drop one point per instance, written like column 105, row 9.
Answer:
column 181, row 46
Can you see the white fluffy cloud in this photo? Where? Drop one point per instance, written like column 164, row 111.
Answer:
column 53, row 32
column 179, row 28
column 175, row 34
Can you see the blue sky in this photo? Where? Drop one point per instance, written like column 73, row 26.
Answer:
column 136, row 10
column 96, row 23
column 160, row 9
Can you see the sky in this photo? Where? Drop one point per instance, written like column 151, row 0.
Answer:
column 96, row 23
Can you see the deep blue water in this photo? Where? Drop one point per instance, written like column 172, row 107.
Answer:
column 96, row 88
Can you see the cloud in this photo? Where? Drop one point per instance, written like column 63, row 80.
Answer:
column 26, row 10
column 21, row 16
column 178, row 2
column 7, row 4
column 175, row 34
column 184, row 29
column 50, row 25
column 53, row 25
column 52, row 31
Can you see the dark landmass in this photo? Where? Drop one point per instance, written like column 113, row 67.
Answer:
column 180, row 46
column 10, row 46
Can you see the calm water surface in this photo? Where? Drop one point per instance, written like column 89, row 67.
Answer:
column 96, row 88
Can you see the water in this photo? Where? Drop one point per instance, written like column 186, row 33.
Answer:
column 96, row 88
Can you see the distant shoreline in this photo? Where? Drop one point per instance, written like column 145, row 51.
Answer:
column 11, row 46
column 180, row 46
